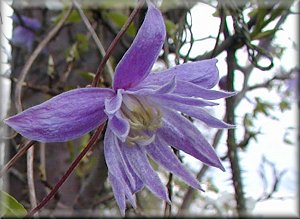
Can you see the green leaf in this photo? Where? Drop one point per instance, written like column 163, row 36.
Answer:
column 264, row 34
column 248, row 121
column 284, row 105
column 119, row 19
column 89, row 76
column 10, row 207
column 262, row 107
column 82, row 42
column 72, row 53
column 74, row 17
column 288, row 141
column 171, row 27
column 50, row 69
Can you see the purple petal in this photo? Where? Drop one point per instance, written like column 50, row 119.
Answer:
column 140, row 164
column 163, row 155
column 168, row 87
column 183, row 135
column 23, row 37
column 167, row 99
column 185, row 88
column 29, row 22
column 114, row 159
column 64, row 117
column 200, row 114
column 203, row 73
column 164, row 89
column 119, row 193
column 119, row 125
column 116, row 164
column 138, row 183
column 113, row 104
column 140, row 57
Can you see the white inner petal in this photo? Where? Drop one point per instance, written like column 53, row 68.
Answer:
column 144, row 119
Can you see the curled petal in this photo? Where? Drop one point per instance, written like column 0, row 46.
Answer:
column 119, row 125
column 140, row 57
column 203, row 73
column 112, row 105
column 64, row 117
column 183, row 135
column 163, row 155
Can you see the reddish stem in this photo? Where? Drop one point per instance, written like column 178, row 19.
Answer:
column 99, row 130
column 16, row 157
column 91, row 142
column 115, row 42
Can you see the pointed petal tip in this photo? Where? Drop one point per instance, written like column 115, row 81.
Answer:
column 231, row 126
column 221, row 167
column 231, row 93
column 199, row 187
column 122, row 212
column 168, row 201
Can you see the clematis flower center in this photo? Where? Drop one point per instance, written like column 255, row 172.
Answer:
column 144, row 119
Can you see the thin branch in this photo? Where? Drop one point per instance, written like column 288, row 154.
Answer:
column 74, row 164
column 16, row 157
column 115, row 42
column 231, row 141
column 168, row 207
column 277, row 179
column 18, row 93
column 34, row 55
column 222, row 18
column 30, row 177
column 95, row 37
column 103, row 199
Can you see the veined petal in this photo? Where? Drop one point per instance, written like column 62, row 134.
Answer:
column 183, row 135
column 163, row 155
column 119, row 125
column 113, row 104
column 119, row 192
column 117, row 166
column 200, row 114
column 140, row 57
column 138, row 183
column 167, row 99
column 114, row 159
column 169, row 87
column 203, row 73
column 64, row 117
column 141, row 166
column 185, row 88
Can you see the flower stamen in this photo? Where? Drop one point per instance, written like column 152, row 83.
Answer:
column 144, row 119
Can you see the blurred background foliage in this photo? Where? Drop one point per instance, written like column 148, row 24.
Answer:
column 245, row 41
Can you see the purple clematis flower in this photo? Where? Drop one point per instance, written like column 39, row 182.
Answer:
column 142, row 110
column 25, row 36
